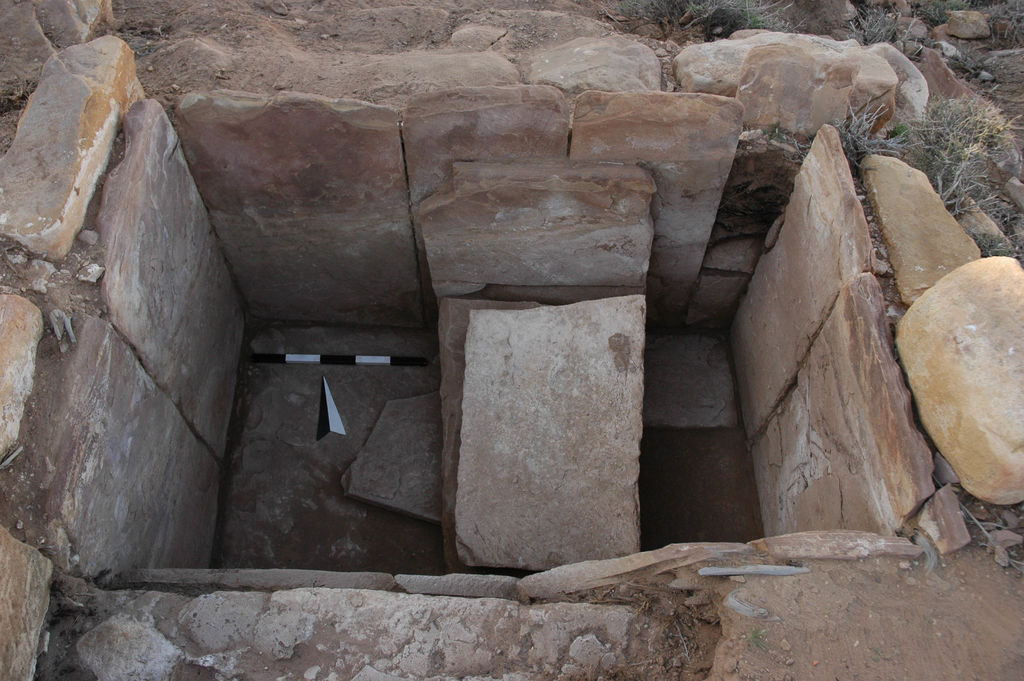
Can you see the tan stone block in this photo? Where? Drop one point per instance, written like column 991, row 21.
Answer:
column 24, row 597
column 551, row 426
column 968, row 25
column 64, row 139
column 688, row 142
column 925, row 242
column 613, row 63
column 960, row 344
column 21, row 327
column 791, row 292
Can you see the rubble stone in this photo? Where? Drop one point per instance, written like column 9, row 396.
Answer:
column 960, row 346
column 943, row 522
column 968, row 25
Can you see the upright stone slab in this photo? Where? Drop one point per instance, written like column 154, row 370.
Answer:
column 499, row 123
column 613, row 63
column 23, row 43
column 688, row 142
column 551, row 425
column 133, row 487
column 24, row 598
column 72, row 21
column 845, row 432
column 399, row 467
column 21, row 326
column 823, row 244
column 925, row 242
column 688, row 382
column 308, row 196
column 539, row 225
column 166, row 284
column 960, row 344
column 452, row 325
column 64, row 138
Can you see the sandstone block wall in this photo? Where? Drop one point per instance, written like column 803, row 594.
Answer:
column 824, row 403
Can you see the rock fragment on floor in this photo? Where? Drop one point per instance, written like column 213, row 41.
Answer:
column 551, row 424
column 399, row 467
column 943, row 522
column 960, row 345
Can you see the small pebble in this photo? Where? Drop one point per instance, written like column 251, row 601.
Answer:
column 986, row 77
column 20, row 525
column 91, row 273
column 89, row 236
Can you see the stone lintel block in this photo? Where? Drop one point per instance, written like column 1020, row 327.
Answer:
column 64, row 138
column 159, row 248
column 21, row 327
column 688, row 142
column 24, row 598
column 790, row 294
column 551, row 425
column 538, row 224
column 925, row 242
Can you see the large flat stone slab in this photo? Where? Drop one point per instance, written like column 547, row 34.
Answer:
column 823, row 244
column 372, row 635
column 551, row 424
column 453, row 322
column 160, row 248
column 498, row 123
column 688, row 142
column 24, row 597
column 315, row 229
column 960, row 346
column 399, row 467
column 539, row 225
column 21, row 326
column 612, row 63
column 846, row 431
column 925, row 242
column 64, row 139
column 688, row 382
column 133, row 486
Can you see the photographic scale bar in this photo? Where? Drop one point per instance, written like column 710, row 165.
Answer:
column 358, row 360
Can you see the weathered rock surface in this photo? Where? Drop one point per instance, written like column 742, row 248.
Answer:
column 797, row 81
column 539, row 225
column 21, row 327
column 734, row 255
column 507, row 123
column 688, row 143
column 716, row 298
column 269, row 579
column 688, row 382
column 133, row 485
column 943, row 522
column 551, row 425
column 453, row 322
column 64, row 138
column 24, row 597
column 160, row 248
column 399, row 467
column 790, row 295
column 925, row 242
column 960, row 346
column 351, row 633
column 612, row 64
column 846, row 431
column 912, row 92
column 594, row 574
column 317, row 229
column 968, row 25
column 24, row 44
column 72, row 21
column 464, row 585
column 835, row 545
column 942, row 82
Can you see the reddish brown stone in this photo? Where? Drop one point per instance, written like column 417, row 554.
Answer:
column 943, row 522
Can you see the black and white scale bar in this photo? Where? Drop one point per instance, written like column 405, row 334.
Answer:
column 360, row 360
